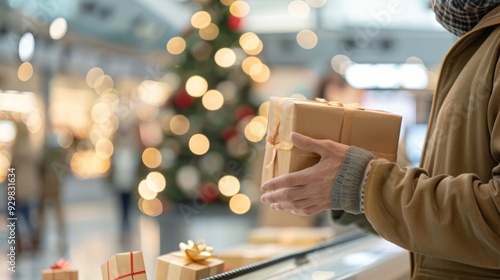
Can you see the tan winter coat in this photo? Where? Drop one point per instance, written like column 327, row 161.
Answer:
column 448, row 212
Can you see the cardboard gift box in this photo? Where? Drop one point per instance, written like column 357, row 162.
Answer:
column 375, row 131
column 59, row 274
column 175, row 266
column 60, row 271
column 124, row 266
column 194, row 261
column 295, row 236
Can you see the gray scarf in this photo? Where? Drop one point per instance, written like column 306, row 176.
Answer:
column 460, row 16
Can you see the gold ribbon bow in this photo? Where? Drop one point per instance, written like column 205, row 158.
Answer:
column 350, row 106
column 197, row 252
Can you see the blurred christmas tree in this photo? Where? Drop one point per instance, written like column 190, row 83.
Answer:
column 211, row 121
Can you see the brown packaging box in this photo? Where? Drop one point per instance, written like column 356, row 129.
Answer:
column 124, row 266
column 175, row 266
column 59, row 274
column 375, row 131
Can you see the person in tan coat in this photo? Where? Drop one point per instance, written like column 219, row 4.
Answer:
column 447, row 212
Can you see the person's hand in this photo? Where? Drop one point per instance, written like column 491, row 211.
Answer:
column 308, row 191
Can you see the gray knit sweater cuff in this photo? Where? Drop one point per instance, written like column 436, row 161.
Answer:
column 347, row 186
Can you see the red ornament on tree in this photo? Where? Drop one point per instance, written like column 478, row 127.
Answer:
column 208, row 192
column 234, row 23
column 229, row 132
column 183, row 99
column 243, row 111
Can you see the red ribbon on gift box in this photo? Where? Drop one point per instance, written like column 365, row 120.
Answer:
column 60, row 264
column 132, row 272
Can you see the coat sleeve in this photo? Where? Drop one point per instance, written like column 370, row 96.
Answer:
column 445, row 217
column 453, row 218
column 343, row 218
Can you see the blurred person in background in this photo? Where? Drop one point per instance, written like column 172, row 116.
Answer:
column 25, row 160
column 53, row 169
column 333, row 87
column 447, row 211
column 124, row 176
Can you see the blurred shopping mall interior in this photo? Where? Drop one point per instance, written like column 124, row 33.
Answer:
column 134, row 125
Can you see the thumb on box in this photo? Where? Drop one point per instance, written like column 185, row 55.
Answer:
column 306, row 143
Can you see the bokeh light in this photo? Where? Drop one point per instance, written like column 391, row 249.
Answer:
column 104, row 148
column 179, row 125
column 176, row 45
column 339, row 63
column 316, row 3
column 26, row 47
column 86, row 164
column 151, row 157
column 103, row 84
column 257, row 50
column 8, row 134
column 155, row 181
column 151, row 207
column 240, row 204
column 414, row 60
column 210, row 32
column 146, row 192
column 213, row 100
column 251, row 43
column 196, row 86
column 256, row 129
column 239, row 8
column 25, row 71
column 58, row 28
column 256, row 69
column 298, row 9
column 100, row 112
column 199, row 144
column 264, row 109
column 225, row 57
column 307, row 39
column 154, row 93
column 263, row 75
column 250, row 63
column 201, row 19
column 229, row 185
column 93, row 75
column 33, row 121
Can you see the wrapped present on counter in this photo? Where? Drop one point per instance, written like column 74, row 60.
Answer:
column 194, row 261
column 295, row 236
column 60, row 271
column 124, row 266
column 375, row 131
